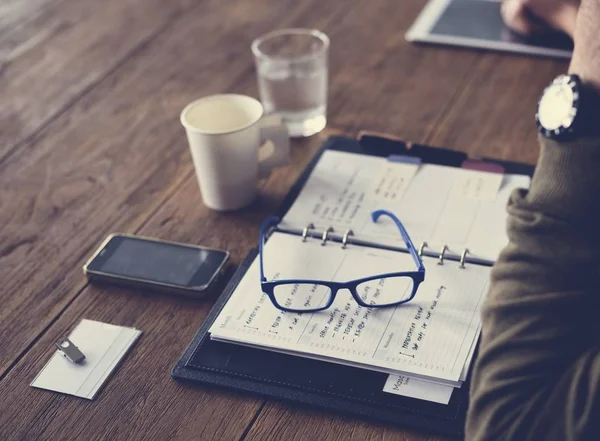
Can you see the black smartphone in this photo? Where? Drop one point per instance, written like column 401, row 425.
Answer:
column 156, row 264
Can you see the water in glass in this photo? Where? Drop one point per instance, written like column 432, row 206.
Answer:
column 292, row 77
column 299, row 96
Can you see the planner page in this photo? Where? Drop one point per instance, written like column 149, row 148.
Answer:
column 430, row 337
column 437, row 204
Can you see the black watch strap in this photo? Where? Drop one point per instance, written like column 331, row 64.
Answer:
column 587, row 123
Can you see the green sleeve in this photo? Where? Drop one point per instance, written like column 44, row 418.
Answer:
column 537, row 376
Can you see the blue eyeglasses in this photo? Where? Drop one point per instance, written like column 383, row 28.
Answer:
column 378, row 291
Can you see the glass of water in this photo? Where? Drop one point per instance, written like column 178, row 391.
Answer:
column 291, row 65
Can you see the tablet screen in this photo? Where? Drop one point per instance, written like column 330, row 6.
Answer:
column 478, row 23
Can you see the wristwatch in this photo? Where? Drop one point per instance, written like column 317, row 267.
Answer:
column 565, row 109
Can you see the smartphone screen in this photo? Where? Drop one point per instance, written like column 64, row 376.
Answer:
column 159, row 262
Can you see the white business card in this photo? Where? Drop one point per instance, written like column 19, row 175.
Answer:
column 103, row 345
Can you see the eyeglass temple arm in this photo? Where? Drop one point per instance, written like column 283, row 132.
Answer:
column 409, row 245
column 267, row 223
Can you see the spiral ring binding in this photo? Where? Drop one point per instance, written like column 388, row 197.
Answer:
column 345, row 237
column 305, row 231
column 325, row 234
column 421, row 248
column 463, row 255
column 441, row 256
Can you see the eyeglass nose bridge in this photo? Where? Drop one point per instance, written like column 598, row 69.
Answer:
column 351, row 287
column 336, row 287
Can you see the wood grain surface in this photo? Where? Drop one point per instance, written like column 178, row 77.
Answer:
column 90, row 143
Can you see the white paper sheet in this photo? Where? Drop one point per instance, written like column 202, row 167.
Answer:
column 430, row 337
column 437, row 204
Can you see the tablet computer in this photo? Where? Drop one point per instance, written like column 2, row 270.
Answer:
column 478, row 24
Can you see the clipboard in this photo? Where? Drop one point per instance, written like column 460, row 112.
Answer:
column 332, row 387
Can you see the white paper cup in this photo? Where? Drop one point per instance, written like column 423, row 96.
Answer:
column 225, row 133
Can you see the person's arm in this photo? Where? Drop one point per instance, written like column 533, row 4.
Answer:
column 537, row 376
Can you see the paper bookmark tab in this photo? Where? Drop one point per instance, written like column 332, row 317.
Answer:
column 419, row 389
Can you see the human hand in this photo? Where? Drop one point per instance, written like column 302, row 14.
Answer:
column 536, row 16
column 586, row 54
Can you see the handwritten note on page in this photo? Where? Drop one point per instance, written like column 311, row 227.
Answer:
column 393, row 181
column 429, row 337
column 476, row 185
column 344, row 189
column 426, row 390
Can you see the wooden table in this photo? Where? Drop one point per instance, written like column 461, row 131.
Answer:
column 90, row 143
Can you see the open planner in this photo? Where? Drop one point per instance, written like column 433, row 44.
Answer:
column 407, row 364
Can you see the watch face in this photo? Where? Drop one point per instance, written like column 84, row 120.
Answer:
column 558, row 106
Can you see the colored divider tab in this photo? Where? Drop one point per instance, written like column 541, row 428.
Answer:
column 404, row 159
column 490, row 167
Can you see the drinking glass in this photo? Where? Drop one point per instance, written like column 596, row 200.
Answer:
column 291, row 66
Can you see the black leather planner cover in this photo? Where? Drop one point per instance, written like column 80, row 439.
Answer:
column 329, row 386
